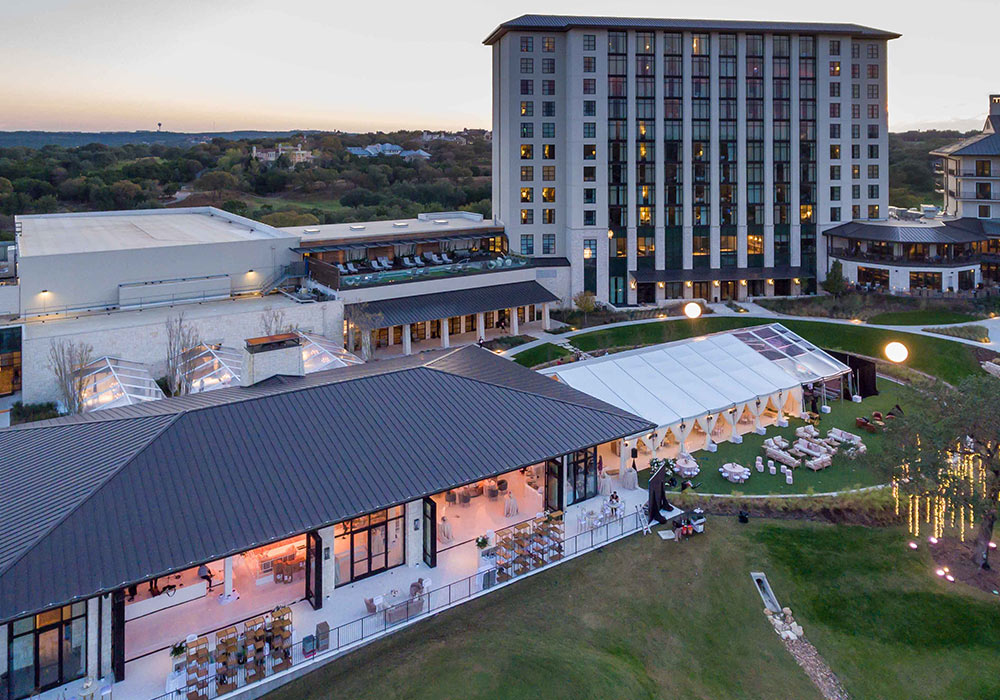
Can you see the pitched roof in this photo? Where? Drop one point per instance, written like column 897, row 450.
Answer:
column 143, row 490
column 564, row 23
column 460, row 302
column 985, row 144
column 963, row 230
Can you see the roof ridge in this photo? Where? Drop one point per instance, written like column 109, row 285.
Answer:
column 107, row 479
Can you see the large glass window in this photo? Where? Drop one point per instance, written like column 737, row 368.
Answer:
column 369, row 545
column 48, row 649
column 582, row 476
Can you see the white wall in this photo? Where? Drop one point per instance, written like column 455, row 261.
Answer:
column 140, row 336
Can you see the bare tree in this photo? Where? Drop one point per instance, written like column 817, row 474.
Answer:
column 66, row 357
column 364, row 320
column 181, row 336
column 272, row 322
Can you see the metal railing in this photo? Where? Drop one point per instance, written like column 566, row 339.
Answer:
column 903, row 261
column 430, row 271
column 354, row 633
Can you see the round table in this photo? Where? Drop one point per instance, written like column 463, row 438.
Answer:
column 630, row 480
column 733, row 471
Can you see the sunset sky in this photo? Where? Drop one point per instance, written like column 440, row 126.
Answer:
column 219, row 65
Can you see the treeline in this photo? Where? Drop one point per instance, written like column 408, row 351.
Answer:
column 912, row 180
column 335, row 188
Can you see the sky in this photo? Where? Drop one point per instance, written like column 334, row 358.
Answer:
column 221, row 65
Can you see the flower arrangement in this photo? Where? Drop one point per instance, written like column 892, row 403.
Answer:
column 482, row 541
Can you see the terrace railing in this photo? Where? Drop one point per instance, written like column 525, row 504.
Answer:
column 351, row 634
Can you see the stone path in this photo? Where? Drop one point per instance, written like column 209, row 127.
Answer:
column 816, row 668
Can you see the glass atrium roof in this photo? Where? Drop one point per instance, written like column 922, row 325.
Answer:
column 796, row 356
column 319, row 353
column 110, row 382
column 206, row 367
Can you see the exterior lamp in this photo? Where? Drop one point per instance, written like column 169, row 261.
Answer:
column 896, row 352
column 688, row 284
column 611, row 234
column 692, row 310
column 795, row 280
column 715, row 283
column 632, row 284
column 770, row 282
column 587, row 253
column 743, row 283
column 661, row 285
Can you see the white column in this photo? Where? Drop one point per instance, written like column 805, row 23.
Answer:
column 480, row 326
column 445, row 337
column 515, row 328
column 407, row 342
column 227, row 589
column 546, row 322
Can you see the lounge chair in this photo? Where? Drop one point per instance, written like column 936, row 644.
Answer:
column 809, row 448
column 352, row 269
column 433, row 258
column 445, row 259
column 808, row 432
column 862, row 422
column 408, row 263
column 341, row 269
column 386, row 265
column 375, row 265
column 417, row 261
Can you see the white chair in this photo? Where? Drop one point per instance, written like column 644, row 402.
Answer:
column 788, row 478
column 351, row 268
column 770, row 466
column 445, row 259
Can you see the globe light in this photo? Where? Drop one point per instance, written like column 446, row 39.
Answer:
column 692, row 310
column 896, row 352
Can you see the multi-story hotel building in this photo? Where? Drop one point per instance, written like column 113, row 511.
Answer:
column 686, row 158
column 970, row 174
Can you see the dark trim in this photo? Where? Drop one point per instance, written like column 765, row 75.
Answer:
column 118, row 634
column 314, row 569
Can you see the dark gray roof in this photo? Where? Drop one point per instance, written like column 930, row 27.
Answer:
column 118, row 499
column 428, row 307
column 564, row 23
column 984, row 144
column 957, row 231
column 704, row 274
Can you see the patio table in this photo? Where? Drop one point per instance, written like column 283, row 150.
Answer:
column 604, row 487
column 630, row 479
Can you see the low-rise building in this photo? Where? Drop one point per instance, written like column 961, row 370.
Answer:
column 971, row 171
column 388, row 149
column 295, row 154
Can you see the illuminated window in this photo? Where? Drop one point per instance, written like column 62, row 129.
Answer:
column 527, row 152
column 527, row 194
column 527, row 216
column 548, row 194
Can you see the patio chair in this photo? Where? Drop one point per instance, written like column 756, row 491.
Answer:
column 386, row 265
column 370, row 606
column 408, row 263
column 417, row 261
column 341, row 269
column 445, row 259
column 375, row 265
column 352, row 269
column 432, row 258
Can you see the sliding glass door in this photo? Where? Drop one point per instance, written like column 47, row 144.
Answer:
column 554, row 484
column 582, row 475
column 430, row 532
column 369, row 545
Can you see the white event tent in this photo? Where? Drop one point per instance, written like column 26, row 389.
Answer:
column 710, row 388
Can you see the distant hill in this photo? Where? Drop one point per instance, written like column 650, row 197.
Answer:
column 72, row 139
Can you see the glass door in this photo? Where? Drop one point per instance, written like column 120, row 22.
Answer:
column 314, row 570
column 430, row 532
column 48, row 657
column 583, row 475
column 554, row 484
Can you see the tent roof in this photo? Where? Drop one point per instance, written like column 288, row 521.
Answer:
column 687, row 379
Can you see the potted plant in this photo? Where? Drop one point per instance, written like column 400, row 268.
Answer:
column 482, row 542
column 177, row 650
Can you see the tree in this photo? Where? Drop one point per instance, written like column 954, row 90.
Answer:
column 834, row 282
column 216, row 181
column 363, row 319
column 272, row 322
column 945, row 457
column 66, row 357
column 586, row 302
column 181, row 336
column 289, row 218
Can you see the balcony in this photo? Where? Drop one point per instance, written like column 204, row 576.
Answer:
column 980, row 196
column 972, row 173
column 345, row 276
column 908, row 261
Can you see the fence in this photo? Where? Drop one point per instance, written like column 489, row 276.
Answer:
column 378, row 624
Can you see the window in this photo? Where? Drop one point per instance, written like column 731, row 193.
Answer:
column 834, row 172
column 589, row 173
column 856, row 211
column 548, row 173
column 548, row 44
column 873, row 131
column 873, row 171
column 834, row 110
column 527, row 244
column 872, row 191
column 589, row 217
column 548, row 87
column 527, row 194
column 984, row 168
column 589, row 86
column 855, row 151
column 873, row 150
column 48, row 649
column 527, row 109
column 548, row 130
column 984, row 211
column 527, row 65
column 548, row 151
column 527, row 173
column 834, row 47
column 835, row 131
column 855, row 91
column 589, row 108
column 548, row 194
column 855, row 172
column 873, row 111
column 589, row 64
column 527, row 151
column 548, row 217
column 855, row 111
column 700, row 44
column 855, row 191
column 835, row 194
column 834, row 151
column 589, row 42
column 834, row 213
column 589, row 151
column 376, row 542
column 548, row 109
column 872, row 71
column 855, row 50
column 548, row 243
column 527, row 216
column 527, row 130
column 872, row 50
column 855, row 71
column 548, row 65
column 589, row 195
column 527, row 43
column 590, row 130
column 834, row 89
column 834, row 68
column 527, row 87
column 873, row 91
column 855, row 131
column 872, row 211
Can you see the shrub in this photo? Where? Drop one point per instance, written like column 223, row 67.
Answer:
column 29, row 412
column 981, row 334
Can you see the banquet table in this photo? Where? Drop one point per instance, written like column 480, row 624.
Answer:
column 604, row 486
column 733, row 472
column 630, row 479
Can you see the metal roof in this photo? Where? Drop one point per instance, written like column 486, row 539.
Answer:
column 958, row 231
column 428, row 307
column 984, row 144
column 705, row 274
column 564, row 23
column 114, row 500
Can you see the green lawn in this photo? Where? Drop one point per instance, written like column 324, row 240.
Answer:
column 939, row 357
column 842, row 474
column 923, row 317
column 643, row 618
column 546, row 352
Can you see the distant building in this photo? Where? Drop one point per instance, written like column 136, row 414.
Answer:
column 387, row 149
column 296, row 154
column 429, row 136
column 972, row 170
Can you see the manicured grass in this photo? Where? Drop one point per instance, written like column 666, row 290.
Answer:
column 842, row 474
column 921, row 317
column 941, row 358
column 546, row 352
column 643, row 618
column 886, row 625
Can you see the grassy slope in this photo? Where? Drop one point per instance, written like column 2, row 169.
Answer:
column 637, row 619
column 929, row 317
column 942, row 358
column 887, row 626
column 539, row 354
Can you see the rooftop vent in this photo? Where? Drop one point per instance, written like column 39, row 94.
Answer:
column 357, row 227
column 400, row 224
column 270, row 356
column 312, row 230
column 441, row 222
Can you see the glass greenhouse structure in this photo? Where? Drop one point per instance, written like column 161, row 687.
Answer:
column 110, row 382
